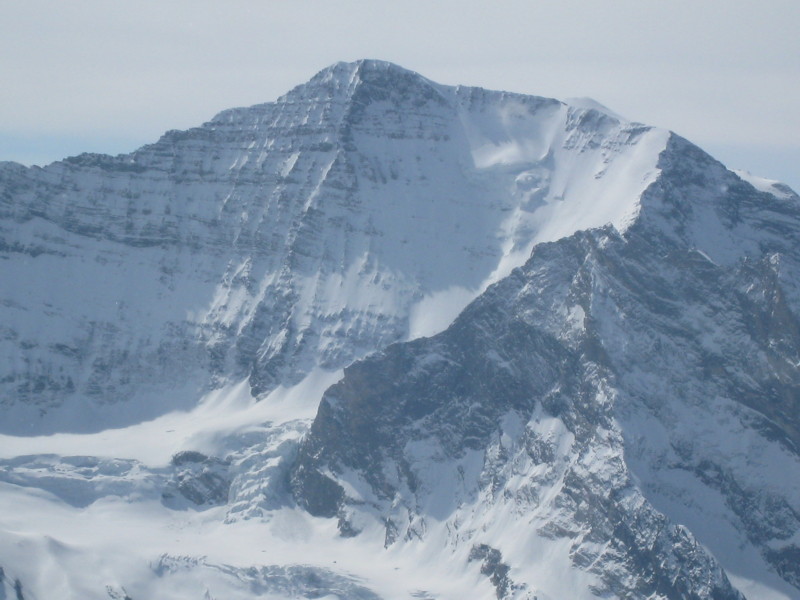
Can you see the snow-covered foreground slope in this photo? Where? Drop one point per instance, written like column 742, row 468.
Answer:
column 614, row 414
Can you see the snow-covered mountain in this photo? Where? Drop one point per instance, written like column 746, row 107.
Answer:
column 289, row 236
column 551, row 354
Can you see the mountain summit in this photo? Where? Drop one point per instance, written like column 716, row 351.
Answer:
column 290, row 236
column 385, row 338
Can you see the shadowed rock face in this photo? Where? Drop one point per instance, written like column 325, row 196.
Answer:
column 656, row 352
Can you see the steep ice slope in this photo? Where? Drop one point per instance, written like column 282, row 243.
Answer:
column 364, row 207
column 623, row 410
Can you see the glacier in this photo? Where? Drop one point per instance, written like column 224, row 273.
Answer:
column 385, row 338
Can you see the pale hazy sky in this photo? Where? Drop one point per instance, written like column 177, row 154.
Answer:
column 106, row 76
